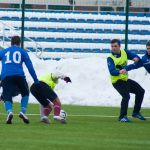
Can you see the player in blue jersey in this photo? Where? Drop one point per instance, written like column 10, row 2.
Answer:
column 144, row 62
column 12, row 75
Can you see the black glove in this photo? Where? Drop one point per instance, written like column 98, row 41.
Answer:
column 67, row 79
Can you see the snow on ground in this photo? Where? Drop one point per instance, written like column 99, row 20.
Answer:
column 91, row 83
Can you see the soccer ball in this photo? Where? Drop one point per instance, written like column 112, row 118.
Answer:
column 63, row 114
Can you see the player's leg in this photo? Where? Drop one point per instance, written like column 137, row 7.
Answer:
column 8, row 86
column 52, row 96
column 24, row 90
column 57, row 106
column 123, row 88
column 57, row 109
column 40, row 92
column 44, row 112
column 139, row 95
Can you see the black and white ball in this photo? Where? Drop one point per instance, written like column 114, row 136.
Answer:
column 63, row 114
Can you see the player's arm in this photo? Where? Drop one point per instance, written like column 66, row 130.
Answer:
column 133, row 66
column 132, row 56
column 111, row 67
column 1, row 54
column 29, row 66
column 59, row 75
column 146, row 63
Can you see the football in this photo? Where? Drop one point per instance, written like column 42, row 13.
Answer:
column 63, row 114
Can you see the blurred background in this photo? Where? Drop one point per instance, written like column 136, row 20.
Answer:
column 75, row 28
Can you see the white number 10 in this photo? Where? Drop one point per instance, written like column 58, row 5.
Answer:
column 16, row 57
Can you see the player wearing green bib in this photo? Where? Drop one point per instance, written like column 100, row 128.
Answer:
column 45, row 95
column 117, row 60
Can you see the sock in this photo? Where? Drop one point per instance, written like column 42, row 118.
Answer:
column 47, row 110
column 8, row 106
column 24, row 103
column 57, row 108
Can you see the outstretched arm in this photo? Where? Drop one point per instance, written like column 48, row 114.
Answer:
column 133, row 66
column 61, row 76
column 29, row 65
column 132, row 56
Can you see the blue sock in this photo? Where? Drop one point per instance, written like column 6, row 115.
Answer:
column 8, row 106
column 24, row 103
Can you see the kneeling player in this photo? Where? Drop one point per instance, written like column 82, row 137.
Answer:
column 48, row 99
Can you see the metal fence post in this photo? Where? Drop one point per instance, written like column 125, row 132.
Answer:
column 22, row 27
column 127, row 24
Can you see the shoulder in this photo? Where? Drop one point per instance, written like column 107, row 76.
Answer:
column 23, row 52
column 110, row 61
column 145, row 57
column 127, row 51
column 109, row 58
column 3, row 51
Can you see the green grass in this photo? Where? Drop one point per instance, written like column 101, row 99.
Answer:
column 81, row 133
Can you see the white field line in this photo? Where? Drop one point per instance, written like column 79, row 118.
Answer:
column 97, row 116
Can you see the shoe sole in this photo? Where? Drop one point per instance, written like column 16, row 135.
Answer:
column 9, row 121
column 24, row 119
column 45, row 121
column 61, row 121
column 125, row 121
column 139, row 118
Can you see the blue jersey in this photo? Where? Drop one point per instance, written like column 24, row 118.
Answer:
column 12, row 62
column 144, row 62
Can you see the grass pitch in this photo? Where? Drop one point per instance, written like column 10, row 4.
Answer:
column 88, row 128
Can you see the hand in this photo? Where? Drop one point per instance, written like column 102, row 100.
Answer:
column 67, row 79
column 123, row 71
column 136, row 59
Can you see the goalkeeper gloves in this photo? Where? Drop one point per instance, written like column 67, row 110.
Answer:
column 67, row 79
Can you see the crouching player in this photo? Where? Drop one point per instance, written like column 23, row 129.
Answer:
column 45, row 95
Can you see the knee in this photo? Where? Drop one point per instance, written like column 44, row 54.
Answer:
column 57, row 102
column 141, row 92
column 126, row 97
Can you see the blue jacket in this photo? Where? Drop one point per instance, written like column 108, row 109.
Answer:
column 12, row 62
column 111, row 66
column 144, row 62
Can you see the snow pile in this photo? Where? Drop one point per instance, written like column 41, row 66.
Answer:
column 90, row 81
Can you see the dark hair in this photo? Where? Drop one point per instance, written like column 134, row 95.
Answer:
column 148, row 43
column 116, row 41
column 15, row 40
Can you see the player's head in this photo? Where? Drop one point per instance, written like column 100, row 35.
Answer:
column 115, row 46
column 148, row 47
column 15, row 40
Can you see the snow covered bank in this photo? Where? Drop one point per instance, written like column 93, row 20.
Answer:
column 90, row 81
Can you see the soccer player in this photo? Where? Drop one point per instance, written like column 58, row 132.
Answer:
column 12, row 75
column 45, row 95
column 119, row 78
column 144, row 62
